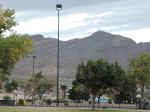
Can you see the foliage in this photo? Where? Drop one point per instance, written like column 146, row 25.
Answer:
column 99, row 76
column 7, row 98
column 63, row 88
column 127, row 90
column 39, row 84
column 140, row 70
column 6, row 20
column 11, row 85
column 66, row 103
column 20, row 102
column 12, row 47
column 117, row 76
column 48, row 101
column 78, row 92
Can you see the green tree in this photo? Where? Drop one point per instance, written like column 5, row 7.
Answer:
column 39, row 85
column 6, row 20
column 24, row 86
column 127, row 90
column 117, row 75
column 92, row 76
column 99, row 76
column 117, row 80
column 78, row 92
column 11, row 85
column 140, row 70
column 12, row 47
column 63, row 88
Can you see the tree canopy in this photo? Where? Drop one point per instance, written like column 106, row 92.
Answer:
column 78, row 92
column 39, row 84
column 12, row 47
column 11, row 85
column 140, row 70
column 99, row 76
column 6, row 20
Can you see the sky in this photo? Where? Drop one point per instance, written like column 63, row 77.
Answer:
column 81, row 18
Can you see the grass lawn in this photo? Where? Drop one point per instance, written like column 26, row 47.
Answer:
column 51, row 109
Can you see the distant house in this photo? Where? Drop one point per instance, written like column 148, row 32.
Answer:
column 2, row 95
column 102, row 99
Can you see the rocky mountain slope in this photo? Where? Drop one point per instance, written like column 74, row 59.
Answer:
column 99, row 44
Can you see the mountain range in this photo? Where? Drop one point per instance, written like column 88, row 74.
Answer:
column 98, row 45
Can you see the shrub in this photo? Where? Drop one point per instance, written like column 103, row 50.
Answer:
column 48, row 101
column 145, row 104
column 7, row 98
column 110, row 101
column 21, row 102
column 104, row 107
column 66, row 103
column 54, row 101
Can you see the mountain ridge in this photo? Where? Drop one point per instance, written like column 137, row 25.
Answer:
column 98, row 45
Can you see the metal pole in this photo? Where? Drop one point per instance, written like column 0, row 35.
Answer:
column 33, row 74
column 58, row 62
column 34, row 64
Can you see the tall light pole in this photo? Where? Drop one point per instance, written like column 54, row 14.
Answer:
column 58, row 8
column 34, row 57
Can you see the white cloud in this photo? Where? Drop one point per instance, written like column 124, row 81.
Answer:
column 49, row 24
column 79, row 34
column 139, row 35
column 37, row 25
column 110, row 28
column 125, row 17
column 74, row 21
column 120, row 17
column 105, row 14
column 23, row 14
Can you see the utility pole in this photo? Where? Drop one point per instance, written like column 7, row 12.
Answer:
column 58, row 8
column 34, row 57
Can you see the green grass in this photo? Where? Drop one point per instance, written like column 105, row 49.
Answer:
column 51, row 109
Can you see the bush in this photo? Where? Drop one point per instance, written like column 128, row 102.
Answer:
column 7, row 98
column 54, row 101
column 21, row 102
column 48, row 101
column 104, row 107
column 66, row 103
column 145, row 104
column 110, row 101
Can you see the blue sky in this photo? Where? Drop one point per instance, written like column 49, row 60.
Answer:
column 80, row 18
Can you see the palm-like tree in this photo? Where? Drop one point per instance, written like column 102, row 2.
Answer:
column 63, row 88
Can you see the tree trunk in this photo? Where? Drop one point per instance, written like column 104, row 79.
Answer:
column 99, row 97
column 142, row 98
column 64, row 93
column 142, row 92
column 40, row 98
column 32, row 99
column 93, row 102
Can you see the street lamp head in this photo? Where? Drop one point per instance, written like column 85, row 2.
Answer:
column 58, row 6
column 34, row 56
column 138, row 96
